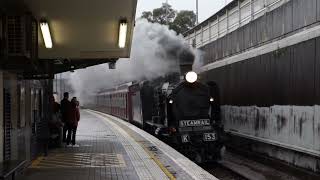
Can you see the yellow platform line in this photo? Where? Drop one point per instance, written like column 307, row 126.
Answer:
column 37, row 161
column 152, row 156
column 158, row 162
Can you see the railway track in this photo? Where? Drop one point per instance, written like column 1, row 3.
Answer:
column 234, row 166
column 222, row 172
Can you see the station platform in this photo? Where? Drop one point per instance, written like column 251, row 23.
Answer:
column 111, row 148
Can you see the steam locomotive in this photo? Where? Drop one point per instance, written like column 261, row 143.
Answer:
column 182, row 112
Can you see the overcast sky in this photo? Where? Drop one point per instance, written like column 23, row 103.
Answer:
column 206, row 7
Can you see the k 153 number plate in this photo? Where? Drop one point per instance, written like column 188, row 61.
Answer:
column 185, row 138
column 209, row 136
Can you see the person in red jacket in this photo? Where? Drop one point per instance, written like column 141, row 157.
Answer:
column 72, row 124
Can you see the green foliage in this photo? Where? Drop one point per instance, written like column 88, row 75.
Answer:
column 164, row 14
column 184, row 21
column 178, row 21
column 147, row 15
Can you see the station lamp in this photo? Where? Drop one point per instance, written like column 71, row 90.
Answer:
column 123, row 28
column 46, row 34
column 191, row 77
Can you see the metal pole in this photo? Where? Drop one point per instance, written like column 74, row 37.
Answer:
column 167, row 12
column 197, row 11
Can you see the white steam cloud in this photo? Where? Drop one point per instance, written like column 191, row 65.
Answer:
column 198, row 61
column 155, row 52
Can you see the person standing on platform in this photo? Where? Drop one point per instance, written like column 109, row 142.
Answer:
column 55, row 120
column 74, row 117
column 65, row 108
column 55, row 124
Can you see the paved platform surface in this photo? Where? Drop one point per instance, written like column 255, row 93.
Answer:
column 113, row 149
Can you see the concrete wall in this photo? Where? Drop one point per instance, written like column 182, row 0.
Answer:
column 270, row 92
column 274, row 98
column 291, row 127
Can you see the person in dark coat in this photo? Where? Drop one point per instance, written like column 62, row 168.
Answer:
column 72, row 123
column 55, row 120
column 65, row 108
column 55, row 124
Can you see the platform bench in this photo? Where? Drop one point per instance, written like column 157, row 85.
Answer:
column 9, row 168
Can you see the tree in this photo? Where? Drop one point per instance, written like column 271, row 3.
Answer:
column 147, row 15
column 163, row 15
column 179, row 22
column 184, row 21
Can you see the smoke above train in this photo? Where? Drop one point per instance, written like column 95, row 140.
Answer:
column 156, row 51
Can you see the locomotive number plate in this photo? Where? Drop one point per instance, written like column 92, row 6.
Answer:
column 194, row 123
column 209, row 136
column 185, row 138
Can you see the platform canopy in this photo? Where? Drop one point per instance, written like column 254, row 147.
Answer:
column 84, row 31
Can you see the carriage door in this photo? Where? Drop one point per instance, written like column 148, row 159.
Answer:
column 136, row 107
column 7, row 125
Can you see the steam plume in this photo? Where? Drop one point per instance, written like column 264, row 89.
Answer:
column 156, row 51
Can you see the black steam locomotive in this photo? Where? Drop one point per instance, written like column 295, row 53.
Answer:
column 183, row 112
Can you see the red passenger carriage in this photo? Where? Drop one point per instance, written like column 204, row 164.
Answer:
column 116, row 101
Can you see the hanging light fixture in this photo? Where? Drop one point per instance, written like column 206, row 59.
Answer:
column 123, row 28
column 45, row 30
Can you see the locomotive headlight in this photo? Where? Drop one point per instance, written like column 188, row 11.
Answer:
column 191, row 77
column 211, row 99
column 170, row 101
